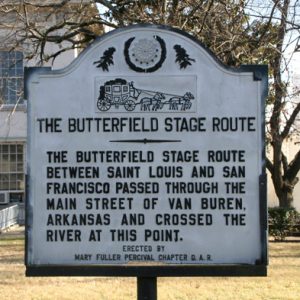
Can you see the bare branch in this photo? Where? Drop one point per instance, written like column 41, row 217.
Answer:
column 269, row 165
column 293, row 168
column 48, row 4
column 290, row 121
column 284, row 162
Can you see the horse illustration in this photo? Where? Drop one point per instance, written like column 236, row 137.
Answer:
column 184, row 101
column 155, row 102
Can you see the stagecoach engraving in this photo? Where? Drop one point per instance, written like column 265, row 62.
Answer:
column 120, row 93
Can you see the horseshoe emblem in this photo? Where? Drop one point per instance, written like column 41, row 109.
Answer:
column 145, row 55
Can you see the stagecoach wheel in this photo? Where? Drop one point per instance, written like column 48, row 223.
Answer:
column 129, row 105
column 103, row 105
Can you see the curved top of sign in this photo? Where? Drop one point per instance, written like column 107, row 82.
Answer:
column 148, row 49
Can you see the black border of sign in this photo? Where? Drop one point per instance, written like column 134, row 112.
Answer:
column 149, row 271
column 260, row 73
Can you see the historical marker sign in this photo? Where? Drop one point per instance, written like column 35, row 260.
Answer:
column 146, row 155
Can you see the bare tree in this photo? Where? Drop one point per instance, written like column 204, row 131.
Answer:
column 283, row 22
column 33, row 24
column 237, row 31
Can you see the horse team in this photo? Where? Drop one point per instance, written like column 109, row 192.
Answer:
column 156, row 102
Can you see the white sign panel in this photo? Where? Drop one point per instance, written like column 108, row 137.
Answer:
column 145, row 151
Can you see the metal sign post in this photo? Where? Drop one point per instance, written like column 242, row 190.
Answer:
column 147, row 288
column 146, row 158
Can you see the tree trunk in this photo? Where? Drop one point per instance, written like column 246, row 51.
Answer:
column 285, row 196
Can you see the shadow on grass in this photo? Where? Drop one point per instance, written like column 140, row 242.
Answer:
column 11, row 259
column 284, row 256
column 11, row 238
column 285, row 241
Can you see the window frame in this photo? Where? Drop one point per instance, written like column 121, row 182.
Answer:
column 12, row 167
column 11, row 77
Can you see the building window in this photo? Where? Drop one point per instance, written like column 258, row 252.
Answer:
column 12, row 177
column 11, row 77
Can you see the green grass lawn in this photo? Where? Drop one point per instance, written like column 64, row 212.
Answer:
column 282, row 282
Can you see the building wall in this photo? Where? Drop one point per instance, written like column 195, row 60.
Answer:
column 13, row 124
column 13, row 113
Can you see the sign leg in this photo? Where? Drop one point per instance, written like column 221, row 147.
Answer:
column 147, row 288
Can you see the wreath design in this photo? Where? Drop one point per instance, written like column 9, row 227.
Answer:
column 145, row 55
